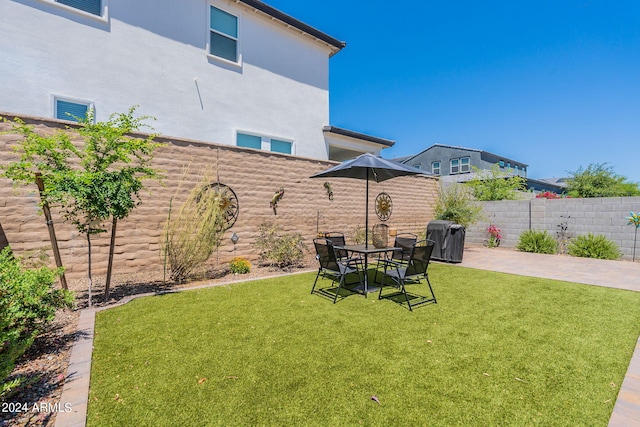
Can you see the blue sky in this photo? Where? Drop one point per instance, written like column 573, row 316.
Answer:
column 554, row 84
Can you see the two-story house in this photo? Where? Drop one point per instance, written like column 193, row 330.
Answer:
column 455, row 164
column 445, row 160
column 234, row 72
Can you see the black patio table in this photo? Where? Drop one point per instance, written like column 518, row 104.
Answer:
column 366, row 251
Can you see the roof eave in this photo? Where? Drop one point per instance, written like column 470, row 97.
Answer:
column 336, row 45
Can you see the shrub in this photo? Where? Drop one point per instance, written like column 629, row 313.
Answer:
column 540, row 242
column 27, row 303
column 594, row 246
column 194, row 232
column 239, row 265
column 456, row 204
column 280, row 250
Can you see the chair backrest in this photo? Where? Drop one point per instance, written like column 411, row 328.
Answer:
column 406, row 242
column 420, row 257
column 337, row 239
column 326, row 254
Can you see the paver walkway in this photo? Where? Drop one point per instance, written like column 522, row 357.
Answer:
column 614, row 274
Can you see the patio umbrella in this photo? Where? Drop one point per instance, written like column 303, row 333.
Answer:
column 368, row 166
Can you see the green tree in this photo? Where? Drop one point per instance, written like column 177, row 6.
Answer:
column 493, row 184
column 455, row 203
column 600, row 180
column 92, row 183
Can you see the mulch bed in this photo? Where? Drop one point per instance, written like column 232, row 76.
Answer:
column 44, row 365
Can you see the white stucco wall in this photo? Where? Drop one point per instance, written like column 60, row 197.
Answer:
column 153, row 53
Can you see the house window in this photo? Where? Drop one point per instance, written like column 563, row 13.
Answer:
column 280, row 146
column 501, row 163
column 455, row 166
column 70, row 110
column 417, row 166
column 249, row 141
column 435, row 168
column 263, row 142
column 465, row 165
column 223, row 34
column 91, row 6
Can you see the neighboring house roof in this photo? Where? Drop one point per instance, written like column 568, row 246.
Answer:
column 358, row 135
column 561, row 182
column 462, row 148
column 293, row 22
column 536, row 184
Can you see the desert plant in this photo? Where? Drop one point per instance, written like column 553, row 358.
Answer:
column 358, row 235
column 493, row 184
column 278, row 249
column 28, row 302
column 455, row 203
column 494, row 236
column 239, row 265
column 594, row 246
column 194, row 231
column 540, row 242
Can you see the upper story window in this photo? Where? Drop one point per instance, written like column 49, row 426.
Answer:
column 501, row 163
column 223, row 34
column 435, row 168
column 461, row 165
column 465, row 165
column 90, row 6
column 70, row 110
column 264, row 143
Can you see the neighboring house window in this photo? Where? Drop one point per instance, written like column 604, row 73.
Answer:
column 455, row 166
column 461, row 165
column 223, row 38
column 501, row 163
column 417, row 166
column 465, row 165
column 258, row 142
column 70, row 110
column 91, row 6
column 435, row 168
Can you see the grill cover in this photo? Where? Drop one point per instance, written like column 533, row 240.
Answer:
column 449, row 240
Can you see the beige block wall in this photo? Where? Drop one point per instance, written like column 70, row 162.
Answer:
column 253, row 175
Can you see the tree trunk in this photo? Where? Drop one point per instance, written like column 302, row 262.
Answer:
column 52, row 232
column 89, row 265
column 110, row 265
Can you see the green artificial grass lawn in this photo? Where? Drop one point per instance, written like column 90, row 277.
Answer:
column 497, row 349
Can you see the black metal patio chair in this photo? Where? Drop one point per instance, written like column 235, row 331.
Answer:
column 337, row 238
column 411, row 271
column 334, row 268
column 406, row 241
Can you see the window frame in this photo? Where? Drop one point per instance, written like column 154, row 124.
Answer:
column 265, row 142
column 438, row 168
column 457, row 166
column 236, row 39
column 104, row 9
column 465, row 167
column 90, row 106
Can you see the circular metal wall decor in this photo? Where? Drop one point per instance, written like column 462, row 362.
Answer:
column 228, row 202
column 384, row 206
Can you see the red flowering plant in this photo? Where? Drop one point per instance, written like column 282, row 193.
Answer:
column 548, row 195
column 494, row 236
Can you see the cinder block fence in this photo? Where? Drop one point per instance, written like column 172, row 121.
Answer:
column 596, row 215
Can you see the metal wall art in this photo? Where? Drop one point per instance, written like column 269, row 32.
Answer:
column 384, row 206
column 226, row 198
column 275, row 199
column 327, row 187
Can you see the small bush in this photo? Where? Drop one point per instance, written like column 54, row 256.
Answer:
column 594, row 246
column 455, row 203
column 540, row 242
column 279, row 250
column 239, row 265
column 27, row 303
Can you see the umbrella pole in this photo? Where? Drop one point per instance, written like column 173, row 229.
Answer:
column 366, row 218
